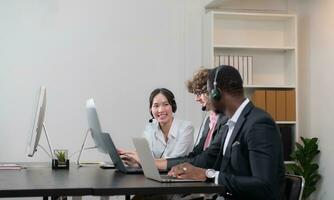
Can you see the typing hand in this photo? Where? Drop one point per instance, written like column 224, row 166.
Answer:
column 187, row 171
column 130, row 158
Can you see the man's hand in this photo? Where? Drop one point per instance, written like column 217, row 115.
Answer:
column 187, row 171
column 130, row 158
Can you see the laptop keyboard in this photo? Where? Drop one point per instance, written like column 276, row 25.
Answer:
column 167, row 177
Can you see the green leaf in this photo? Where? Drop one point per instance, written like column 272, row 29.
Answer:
column 304, row 156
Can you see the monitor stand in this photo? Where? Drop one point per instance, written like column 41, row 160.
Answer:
column 103, row 165
column 48, row 141
column 82, row 147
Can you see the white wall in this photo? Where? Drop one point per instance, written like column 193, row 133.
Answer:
column 316, row 81
column 115, row 51
column 316, row 61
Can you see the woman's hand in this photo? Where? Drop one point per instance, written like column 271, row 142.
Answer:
column 129, row 158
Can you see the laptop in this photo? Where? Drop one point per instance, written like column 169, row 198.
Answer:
column 116, row 159
column 148, row 165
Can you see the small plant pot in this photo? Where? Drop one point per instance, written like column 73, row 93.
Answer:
column 61, row 160
column 60, row 165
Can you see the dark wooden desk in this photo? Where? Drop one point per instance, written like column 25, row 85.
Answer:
column 40, row 180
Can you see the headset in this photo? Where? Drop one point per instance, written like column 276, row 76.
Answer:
column 215, row 93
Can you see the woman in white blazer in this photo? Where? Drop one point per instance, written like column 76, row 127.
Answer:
column 167, row 136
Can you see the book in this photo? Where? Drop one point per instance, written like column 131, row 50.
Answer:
column 225, row 60
column 221, row 60
column 259, row 98
column 216, row 61
column 236, row 62
column 10, row 166
column 280, row 105
column 245, row 68
column 271, row 103
column 241, row 68
column 250, row 70
column 290, row 105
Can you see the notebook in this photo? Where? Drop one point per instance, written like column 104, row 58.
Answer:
column 148, row 165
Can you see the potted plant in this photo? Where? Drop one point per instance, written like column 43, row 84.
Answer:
column 61, row 161
column 305, row 165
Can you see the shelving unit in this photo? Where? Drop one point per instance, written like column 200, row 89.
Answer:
column 271, row 41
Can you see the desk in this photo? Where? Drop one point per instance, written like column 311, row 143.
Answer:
column 40, row 180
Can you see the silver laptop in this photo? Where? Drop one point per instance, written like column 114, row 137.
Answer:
column 148, row 165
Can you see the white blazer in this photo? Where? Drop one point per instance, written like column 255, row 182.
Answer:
column 180, row 139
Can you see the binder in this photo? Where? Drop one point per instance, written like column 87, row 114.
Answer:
column 250, row 70
column 231, row 61
column 290, row 105
column 221, row 60
column 271, row 103
column 236, row 62
column 241, row 68
column 280, row 105
column 259, row 98
column 226, row 60
column 216, row 61
column 245, row 72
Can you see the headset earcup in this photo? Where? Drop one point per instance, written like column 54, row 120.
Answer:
column 174, row 107
column 215, row 95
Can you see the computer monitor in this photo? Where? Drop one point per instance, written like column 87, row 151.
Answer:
column 38, row 123
column 94, row 126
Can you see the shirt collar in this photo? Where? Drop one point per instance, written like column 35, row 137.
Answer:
column 237, row 113
column 213, row 116
column 172, row 133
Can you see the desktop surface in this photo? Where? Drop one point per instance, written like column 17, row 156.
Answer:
column 38, row 179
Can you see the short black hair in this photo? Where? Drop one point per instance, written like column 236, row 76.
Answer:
column 228, row 79
column 167, row 93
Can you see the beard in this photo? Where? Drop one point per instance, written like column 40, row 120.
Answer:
column 219, row 107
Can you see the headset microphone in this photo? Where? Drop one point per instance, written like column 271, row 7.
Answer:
column 203, row 108
column 151, row 120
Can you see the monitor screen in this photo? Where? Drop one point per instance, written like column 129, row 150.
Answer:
column 38, row 122
column 94, row 126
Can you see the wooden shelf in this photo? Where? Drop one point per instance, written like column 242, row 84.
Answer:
column 270, row 86
column 263, row 48
column 286, row 122
column 287, row 48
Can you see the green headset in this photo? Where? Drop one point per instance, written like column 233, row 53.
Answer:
column 215, row 93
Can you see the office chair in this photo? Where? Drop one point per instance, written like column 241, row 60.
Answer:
column 294, row 186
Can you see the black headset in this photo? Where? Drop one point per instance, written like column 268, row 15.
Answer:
column 172, row 102
column 215, row 93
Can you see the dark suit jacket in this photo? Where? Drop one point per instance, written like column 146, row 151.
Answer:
column 252, row 167
column 198, row 149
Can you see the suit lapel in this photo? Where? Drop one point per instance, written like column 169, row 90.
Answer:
column 236, row 131
column 220, row 154
column 206, row 127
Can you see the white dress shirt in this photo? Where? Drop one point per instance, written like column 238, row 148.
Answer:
column 231, row 124
column 180, row 139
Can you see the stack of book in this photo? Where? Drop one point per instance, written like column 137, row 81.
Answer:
column 244, row 64
column 279, row 103
column 10, row 166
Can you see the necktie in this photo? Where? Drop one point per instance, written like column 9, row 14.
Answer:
column 212, row 125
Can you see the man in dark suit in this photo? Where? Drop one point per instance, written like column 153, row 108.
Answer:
column 212, row 123
column 250, row 160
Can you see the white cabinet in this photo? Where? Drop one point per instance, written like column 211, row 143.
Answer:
column 270, row 40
